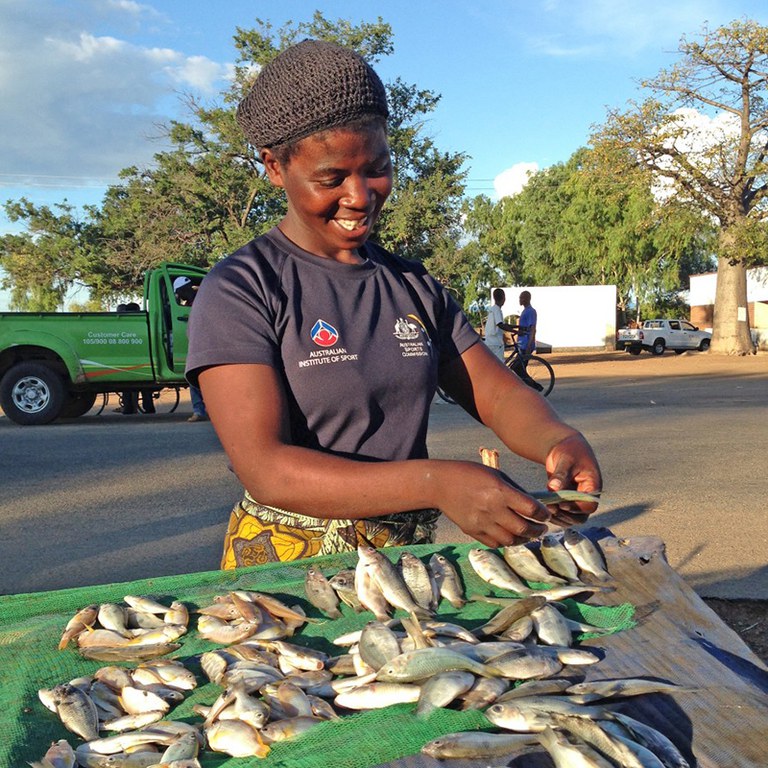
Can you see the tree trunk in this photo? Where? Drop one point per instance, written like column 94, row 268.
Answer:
column 730, row 325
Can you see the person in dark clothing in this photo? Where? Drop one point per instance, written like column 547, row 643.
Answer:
column 319, row 352
column 129, row 399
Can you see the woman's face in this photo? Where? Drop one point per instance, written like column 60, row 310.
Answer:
column 336, row 182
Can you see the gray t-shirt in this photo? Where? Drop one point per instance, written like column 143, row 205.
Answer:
column 358, row 346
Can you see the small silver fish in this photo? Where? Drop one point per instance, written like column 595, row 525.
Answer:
column 422, row 663
column 420, row 581
column 550, row 626
column 378, row 644
column 320, row 593
column 390, row 581
column 476, row 745
column 76, row 711
column 344, row 584
column 492, row 569
column 564, row 753
column 558, row 558
column 447, row 579
column 441, row 689
column 522, row 560
column 587, row 554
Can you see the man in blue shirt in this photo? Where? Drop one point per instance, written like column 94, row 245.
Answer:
column 526, row 325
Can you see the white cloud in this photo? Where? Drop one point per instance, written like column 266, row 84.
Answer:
column 510, row 182
column 80, row 98
column 624, row 27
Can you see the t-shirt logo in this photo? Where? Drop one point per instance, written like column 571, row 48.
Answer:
column 324, row 334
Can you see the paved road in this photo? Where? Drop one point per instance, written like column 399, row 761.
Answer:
column 683, row 446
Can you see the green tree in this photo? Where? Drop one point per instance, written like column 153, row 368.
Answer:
column 41, row 264
column 208, row 194
column 722, row 174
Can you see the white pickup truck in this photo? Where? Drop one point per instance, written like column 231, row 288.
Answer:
column 658, row 335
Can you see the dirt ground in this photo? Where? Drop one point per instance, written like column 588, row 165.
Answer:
column 748, row 618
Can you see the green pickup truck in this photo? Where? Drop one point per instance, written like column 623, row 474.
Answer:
column 54, row 364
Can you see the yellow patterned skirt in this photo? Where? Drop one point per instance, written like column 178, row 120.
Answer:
column 259, row 534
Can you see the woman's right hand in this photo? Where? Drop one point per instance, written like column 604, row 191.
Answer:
column 486, row 505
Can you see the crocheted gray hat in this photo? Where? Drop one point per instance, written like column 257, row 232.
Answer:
column 309, row 87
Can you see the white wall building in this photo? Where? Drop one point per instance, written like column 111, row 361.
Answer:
column 569, row 317
column 701, row 298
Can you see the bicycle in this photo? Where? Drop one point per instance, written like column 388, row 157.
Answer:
column 533, row 369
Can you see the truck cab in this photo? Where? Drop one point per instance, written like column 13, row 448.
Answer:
column 54, row 364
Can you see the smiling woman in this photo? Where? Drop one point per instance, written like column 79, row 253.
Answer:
column 319, row 353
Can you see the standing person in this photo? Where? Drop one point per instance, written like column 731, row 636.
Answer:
column 129, row 399
column 495, row 325
column 185, row 291
column 526, row 325
column 319, row 352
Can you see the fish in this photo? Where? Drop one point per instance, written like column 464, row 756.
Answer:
column 112, row 616
column 447, row 580
column 343, row 583
column 59, row 755
column 76, row 711
column 565, row 495
column 422, row 663
column 511, row 613
column 568, row 755
column 378, row 644
column 184, row 747
column 369, row 593
column 484, row 692
column 136, row 701
column 279, row 610
column 587, row 554
column 128, row 652
column 321, row 594
column 522, row 560
column 390, row 581
column 594, row 734
column 145, row 604
column 219, row 631
column 280, row 730
column 550, row 626
column 654, row 740
column 492, row 569
column 178, row 613
column 535, row 688
column 644, row 757
column 420, row 581
column 526, row 663
column 171, row 672
column 558, row 558
column 476, row 745
column 377, row 695
column 84, row 619
column 441, row 689
column 625, row 686
column 236, row 738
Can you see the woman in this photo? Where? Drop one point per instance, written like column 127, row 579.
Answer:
column 318, row 352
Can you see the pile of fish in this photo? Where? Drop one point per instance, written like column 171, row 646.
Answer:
column 140, row 629
column 273, row 688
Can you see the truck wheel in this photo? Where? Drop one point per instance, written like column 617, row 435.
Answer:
column 634, row 350
column 78, row 405
column 704, row 346
column 658, row 347
column 32, row 393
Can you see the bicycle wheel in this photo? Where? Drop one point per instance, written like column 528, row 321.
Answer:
column 539, row 375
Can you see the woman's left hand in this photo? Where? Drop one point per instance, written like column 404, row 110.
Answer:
column 571, row 464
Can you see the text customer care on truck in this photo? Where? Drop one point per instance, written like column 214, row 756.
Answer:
column 318, row 352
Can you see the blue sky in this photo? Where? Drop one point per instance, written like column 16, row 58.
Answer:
column 85, row 83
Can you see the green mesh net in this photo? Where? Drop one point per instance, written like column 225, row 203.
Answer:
column 31, row 626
